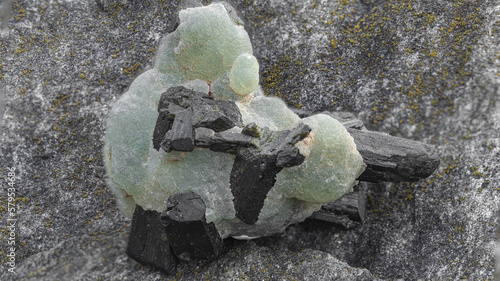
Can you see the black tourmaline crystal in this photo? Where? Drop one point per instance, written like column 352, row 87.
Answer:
column 180, row 232
column 190, row 236
column 181, row 110
column 148, row 242
column 255, row 167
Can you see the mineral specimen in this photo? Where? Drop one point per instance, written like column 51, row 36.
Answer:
column 182, row 110
column 260, row 153
column 388, row 158
column 348, row 211
column 211, row 53
column 197, row 153
column 394, row 159
column 179, row 232
column 255, row 169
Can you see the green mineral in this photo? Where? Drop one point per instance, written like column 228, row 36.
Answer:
column 210, row 52
column 244, row 75
column 329, row 145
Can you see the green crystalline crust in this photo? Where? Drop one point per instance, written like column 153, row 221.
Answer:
column 208, row 46
column 210, row 53
column 328, row 145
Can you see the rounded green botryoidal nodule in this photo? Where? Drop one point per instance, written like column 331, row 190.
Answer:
column 244, row 75
column 207, row 42
column 331, row 166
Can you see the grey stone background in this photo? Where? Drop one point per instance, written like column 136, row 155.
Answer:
column 424, row 70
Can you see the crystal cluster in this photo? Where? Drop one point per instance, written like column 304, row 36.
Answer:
column 198, row 127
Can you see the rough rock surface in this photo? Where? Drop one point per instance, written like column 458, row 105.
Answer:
column 424, row 70
column 88, row 258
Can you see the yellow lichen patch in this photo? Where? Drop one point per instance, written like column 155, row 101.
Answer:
column 273, row 80
column 61, row 98
column 131, row 70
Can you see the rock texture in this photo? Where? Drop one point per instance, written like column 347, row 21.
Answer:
column 423, row 70
column 244, row 260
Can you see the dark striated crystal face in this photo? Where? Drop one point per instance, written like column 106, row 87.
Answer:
column 261, row 153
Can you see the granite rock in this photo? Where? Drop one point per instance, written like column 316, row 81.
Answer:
column 425, row 71
column 244, row 260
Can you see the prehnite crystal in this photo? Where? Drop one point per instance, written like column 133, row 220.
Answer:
column 210, row 52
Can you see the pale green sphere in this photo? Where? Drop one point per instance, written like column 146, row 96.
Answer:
column 244, row 75
column 331, row 166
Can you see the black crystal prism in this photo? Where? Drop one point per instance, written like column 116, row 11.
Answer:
column 181, row 110
column 190, row 236
column 255, row 167
column 148, row 242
